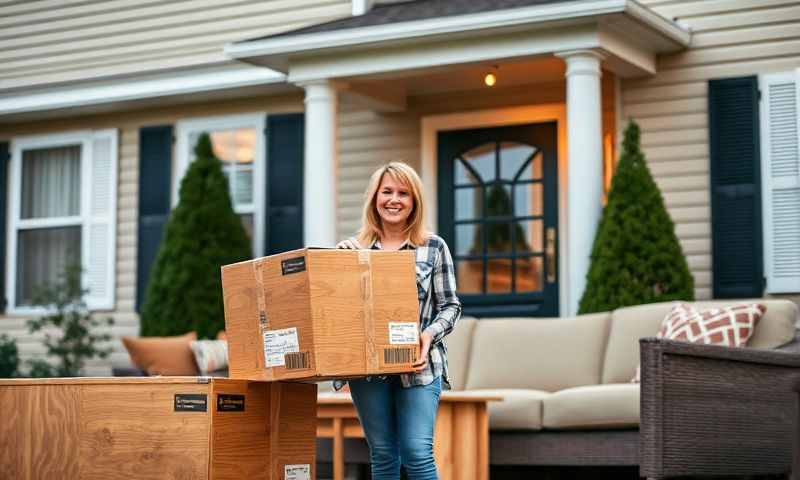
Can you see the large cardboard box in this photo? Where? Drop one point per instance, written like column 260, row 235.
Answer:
column 159, row 427
column 316, row 314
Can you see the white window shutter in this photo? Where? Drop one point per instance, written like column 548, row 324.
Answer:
column 100, row 227
column 780, row 167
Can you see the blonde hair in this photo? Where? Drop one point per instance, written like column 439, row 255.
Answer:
column 371, row 225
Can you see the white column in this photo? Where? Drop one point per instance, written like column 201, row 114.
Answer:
column 321, row 165
column 585, row 166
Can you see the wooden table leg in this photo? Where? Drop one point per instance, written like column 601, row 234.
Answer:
column 465, row 442
column 338, row 450
column 482, row 458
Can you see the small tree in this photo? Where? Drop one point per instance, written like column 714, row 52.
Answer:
column 78, row 339
column 636, row 256
column 203, row 233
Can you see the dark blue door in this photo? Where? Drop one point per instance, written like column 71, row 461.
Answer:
column 498, row 211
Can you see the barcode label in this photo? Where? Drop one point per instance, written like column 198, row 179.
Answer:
column 398, row 355
column 297, row 360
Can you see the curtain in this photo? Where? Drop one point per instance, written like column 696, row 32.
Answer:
column 51, row 188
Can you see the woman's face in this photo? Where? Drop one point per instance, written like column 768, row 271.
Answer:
column 394, row 202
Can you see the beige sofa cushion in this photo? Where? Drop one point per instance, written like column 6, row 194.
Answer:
column 537, row 353
column 629, row 324
column 459, row 343
column 594, row 406
column 521, row 409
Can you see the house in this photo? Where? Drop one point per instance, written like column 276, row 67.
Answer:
column 100, row 103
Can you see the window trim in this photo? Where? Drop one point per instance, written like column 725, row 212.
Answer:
column 15, row 223
column 257, row 120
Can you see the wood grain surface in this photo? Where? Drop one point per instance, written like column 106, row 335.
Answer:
column 123, row 429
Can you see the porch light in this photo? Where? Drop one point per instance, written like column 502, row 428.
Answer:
column 491, row 78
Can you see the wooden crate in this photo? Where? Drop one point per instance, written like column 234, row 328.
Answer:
column 315, row 314
column 159, row 427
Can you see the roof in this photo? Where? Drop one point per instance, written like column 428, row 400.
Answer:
column 412, row 10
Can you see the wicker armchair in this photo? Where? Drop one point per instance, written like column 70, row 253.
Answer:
column 710, row 410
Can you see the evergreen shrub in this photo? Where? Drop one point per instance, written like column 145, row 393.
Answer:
column 203, row 233
column 636, row 256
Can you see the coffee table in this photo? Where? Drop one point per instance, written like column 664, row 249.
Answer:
column 460, row 439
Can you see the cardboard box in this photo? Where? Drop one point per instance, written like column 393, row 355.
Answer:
column 159, row 427
column 317, row 314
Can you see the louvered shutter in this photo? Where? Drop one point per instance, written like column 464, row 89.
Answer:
column 155, row 167
column 284, row 200
column 781, row 180
column 100, row 228
column 735, row 188
column 5, row 157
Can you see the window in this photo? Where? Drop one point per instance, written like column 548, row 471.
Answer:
column 238, row 143
column 62, row 210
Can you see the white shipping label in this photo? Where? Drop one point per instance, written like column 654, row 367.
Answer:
column 297, row 472
column 278, row 343
column 403, row 333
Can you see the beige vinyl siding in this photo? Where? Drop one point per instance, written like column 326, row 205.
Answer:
column 47, row 42
column 128, row 125
column 730, row 38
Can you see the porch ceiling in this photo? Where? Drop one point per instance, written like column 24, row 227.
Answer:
column 391, row 39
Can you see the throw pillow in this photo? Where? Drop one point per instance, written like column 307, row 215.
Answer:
column 162, row 355
column 731, row 326
column 210, row 355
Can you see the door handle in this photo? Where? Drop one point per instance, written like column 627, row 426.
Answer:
column 550, row 255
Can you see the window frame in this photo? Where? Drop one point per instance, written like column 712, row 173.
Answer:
column 257, row 120
column 15, row 223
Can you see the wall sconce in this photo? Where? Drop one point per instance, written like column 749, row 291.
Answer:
column 491, row 78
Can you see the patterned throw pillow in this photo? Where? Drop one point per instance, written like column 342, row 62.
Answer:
column 730, row 326
column 210, row 355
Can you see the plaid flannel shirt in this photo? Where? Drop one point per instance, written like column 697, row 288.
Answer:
column 439, row 306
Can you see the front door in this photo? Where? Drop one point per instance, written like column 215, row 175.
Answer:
column 498, row 212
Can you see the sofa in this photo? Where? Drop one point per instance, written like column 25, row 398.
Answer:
column 568, row 398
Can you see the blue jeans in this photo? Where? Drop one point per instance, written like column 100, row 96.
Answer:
column 398, row 423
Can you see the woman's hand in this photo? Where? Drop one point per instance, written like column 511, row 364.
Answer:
column 425, row 340
column 349, row 244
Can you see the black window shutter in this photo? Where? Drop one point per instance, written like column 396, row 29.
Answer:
column 5, row 157
column 284, row 199
column 738, row 265
column 155, row 170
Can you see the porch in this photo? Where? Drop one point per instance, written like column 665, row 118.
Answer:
column 388, row 84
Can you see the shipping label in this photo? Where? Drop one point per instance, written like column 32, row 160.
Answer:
column 297, row 472
column 277, row 343
column 402, row 333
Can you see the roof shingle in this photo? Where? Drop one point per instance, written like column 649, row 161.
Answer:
column 410, row 11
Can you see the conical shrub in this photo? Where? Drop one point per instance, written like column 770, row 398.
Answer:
column 636, row 256
column 203, row 233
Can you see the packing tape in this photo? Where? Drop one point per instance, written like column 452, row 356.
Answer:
column 261, row 299
column 371, row 352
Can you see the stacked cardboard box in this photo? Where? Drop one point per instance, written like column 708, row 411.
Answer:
column 315, row 314
column 147, row 428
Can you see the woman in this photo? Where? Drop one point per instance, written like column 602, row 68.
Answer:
column 398, row 412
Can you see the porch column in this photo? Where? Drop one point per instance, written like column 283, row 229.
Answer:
column 585, row 165
column 321, row 164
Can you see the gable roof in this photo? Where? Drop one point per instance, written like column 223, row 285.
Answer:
column 410, row 11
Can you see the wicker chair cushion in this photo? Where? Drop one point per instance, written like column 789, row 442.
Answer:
column 459, row 343
column 521, row 409
column 541, row 354
column 595, row 406
column 629, row 324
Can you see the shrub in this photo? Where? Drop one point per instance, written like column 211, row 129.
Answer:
column 77, row 339
column 9, row 357
column 636, row 256
column 203, row 233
